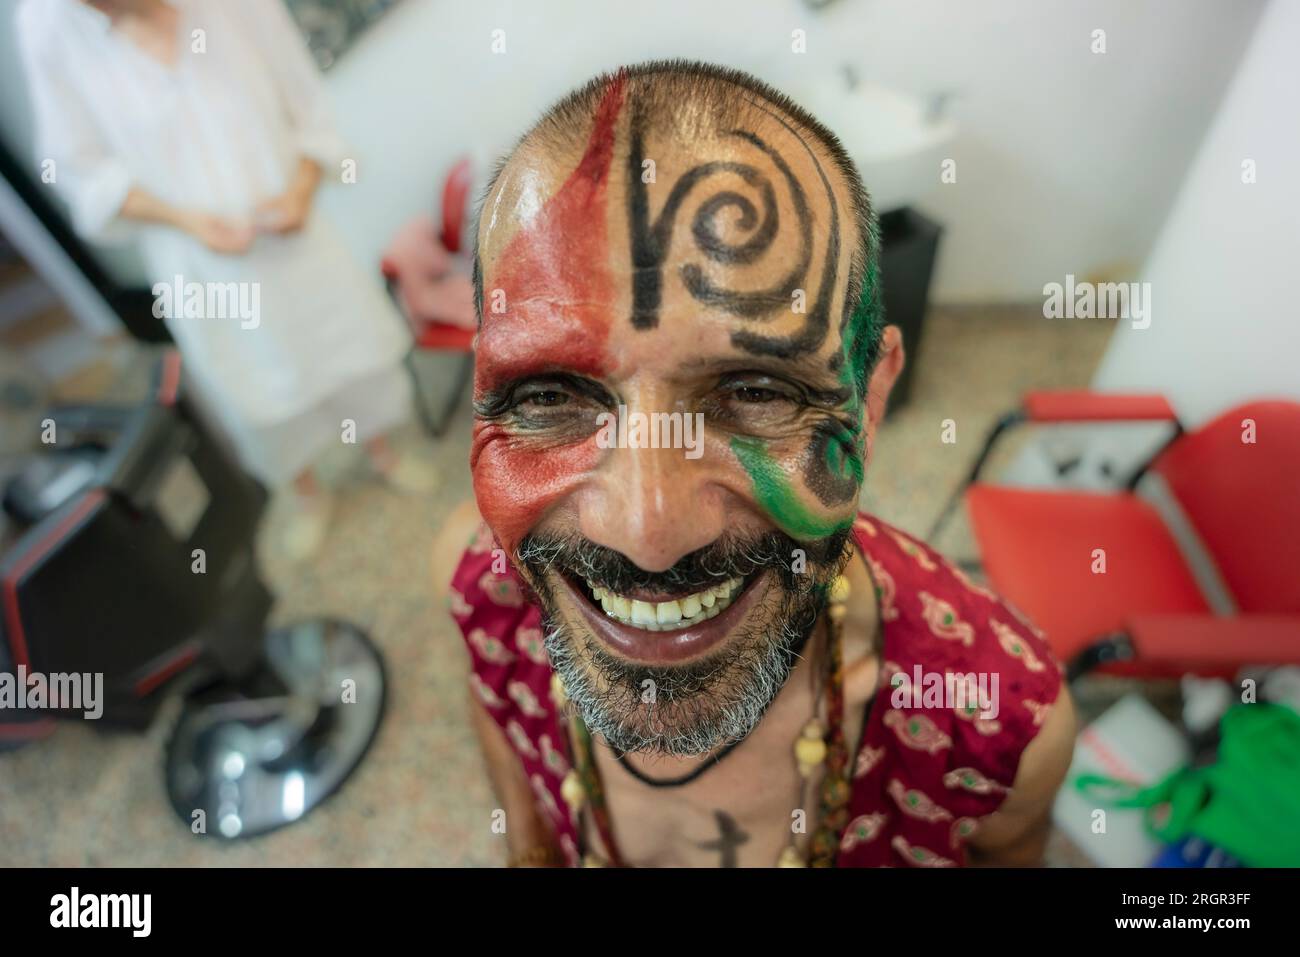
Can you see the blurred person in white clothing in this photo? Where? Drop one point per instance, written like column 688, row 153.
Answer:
column 199, row 129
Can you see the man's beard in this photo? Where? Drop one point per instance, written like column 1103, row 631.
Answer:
column 693, row 708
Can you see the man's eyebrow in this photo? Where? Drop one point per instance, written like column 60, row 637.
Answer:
column 810, row 368
column 809, row 372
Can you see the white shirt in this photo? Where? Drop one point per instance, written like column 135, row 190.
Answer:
column 220, row 131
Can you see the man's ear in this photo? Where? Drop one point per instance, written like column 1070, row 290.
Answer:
column 888, row 368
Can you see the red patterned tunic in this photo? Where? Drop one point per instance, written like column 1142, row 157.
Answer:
column 924, row 773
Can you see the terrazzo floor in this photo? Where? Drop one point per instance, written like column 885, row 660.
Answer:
column 90, row 797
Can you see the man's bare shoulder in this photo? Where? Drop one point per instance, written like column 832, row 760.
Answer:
column 1016, row 834
column 449, row 544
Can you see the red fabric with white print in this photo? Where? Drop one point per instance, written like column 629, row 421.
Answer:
column 923, row 776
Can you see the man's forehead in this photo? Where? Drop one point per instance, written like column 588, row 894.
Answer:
column 670, row 146
column 667, row 222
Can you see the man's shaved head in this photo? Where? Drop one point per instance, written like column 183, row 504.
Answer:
column 679, row 241
column 687, row 101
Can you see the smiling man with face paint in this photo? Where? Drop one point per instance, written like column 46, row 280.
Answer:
column 698, row 656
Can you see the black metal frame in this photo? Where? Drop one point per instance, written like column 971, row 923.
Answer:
column 1018, row 417
column 133, row 305
column 434, row 420
column 1113, row 647
column 1006, row 422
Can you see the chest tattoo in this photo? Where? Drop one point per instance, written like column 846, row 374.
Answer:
column 729, row 839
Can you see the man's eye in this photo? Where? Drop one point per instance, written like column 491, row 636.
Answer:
column 546, row 398
column 753, row 394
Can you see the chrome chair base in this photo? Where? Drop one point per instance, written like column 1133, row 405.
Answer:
column 250, row 756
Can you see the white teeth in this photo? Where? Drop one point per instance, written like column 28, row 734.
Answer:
column 668, row 615
column 668, row 612
column 643, row 613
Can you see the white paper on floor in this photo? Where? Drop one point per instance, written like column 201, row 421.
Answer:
column 1130, row 741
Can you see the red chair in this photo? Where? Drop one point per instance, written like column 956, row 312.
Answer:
column 1202, row 546
column 455, row 206
column 436, row 300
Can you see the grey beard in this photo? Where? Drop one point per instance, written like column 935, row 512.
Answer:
column 687, row 710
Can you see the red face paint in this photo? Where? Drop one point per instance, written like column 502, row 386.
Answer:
column 554, row 273
column 515, row 483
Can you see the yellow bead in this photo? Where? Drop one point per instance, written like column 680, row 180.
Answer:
column 592, row 861
column 840, row 590
column 557, row 691
column 836, row 612
column 810, row 752
column 790, row 858
column 571, row 789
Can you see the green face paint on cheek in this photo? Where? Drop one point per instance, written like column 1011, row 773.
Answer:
column 833, row 472
column 779, row 498
column 843, row 456
column 845, row 447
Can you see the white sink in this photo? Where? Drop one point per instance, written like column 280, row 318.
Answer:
column 897, row 147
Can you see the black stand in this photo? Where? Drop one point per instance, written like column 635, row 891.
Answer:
column 909, row 246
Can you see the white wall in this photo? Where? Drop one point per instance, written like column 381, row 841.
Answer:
column 1067, row 161
column 1225, row 325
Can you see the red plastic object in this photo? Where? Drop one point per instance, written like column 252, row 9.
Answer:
column 1243, row 497
column 1206, row 642
column 1080, row 405
column 455, row 205
column 436, row 300
column 444, row 337
column 1235, row 481
column 1038, row 551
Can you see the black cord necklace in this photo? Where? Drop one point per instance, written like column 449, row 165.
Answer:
column 687, row 778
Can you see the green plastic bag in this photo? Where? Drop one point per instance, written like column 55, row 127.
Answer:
column 1247, row 803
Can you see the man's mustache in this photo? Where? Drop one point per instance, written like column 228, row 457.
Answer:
column 732, row 555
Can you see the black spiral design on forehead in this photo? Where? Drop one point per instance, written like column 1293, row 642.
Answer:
column 760, row 223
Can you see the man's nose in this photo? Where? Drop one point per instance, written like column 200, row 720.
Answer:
column 654, row 506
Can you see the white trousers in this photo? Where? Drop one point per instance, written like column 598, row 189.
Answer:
column 363, row 409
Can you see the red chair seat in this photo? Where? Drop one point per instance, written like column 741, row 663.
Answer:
column 444, row 337
column 1037, row 549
